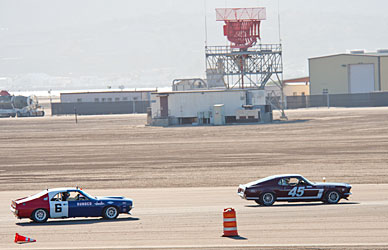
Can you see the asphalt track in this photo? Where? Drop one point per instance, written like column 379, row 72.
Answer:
column 191, row 218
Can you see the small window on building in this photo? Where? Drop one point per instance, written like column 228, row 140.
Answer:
column 109, row 99
column 125, row 98
column 96, row 99
column 79, row 99
column 103, row 99
column 117, row 99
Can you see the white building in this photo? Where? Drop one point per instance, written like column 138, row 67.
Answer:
column 187, row 107
column 105, row 96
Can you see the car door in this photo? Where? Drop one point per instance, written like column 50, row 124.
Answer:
column 290, row 189
column 80, row 205
column 58, row 205
column 298, row 189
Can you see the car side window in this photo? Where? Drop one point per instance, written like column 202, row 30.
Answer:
column 57, row 197
column 77, row 196
column 288, row 181
column 293, row 182
column 283, row 182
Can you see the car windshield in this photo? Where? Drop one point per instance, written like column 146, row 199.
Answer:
column 307, row 181
column 86, row 194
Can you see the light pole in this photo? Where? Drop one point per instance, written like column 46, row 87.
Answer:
column 134, row 105
column 326, row 92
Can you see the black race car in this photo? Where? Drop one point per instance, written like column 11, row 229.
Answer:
column 292, row 188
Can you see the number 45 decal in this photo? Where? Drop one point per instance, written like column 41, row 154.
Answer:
column 296, row 191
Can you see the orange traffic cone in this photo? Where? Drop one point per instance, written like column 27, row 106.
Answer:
column 230, row 224
column 22, row 239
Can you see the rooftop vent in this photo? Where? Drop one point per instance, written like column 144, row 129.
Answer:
column 359, row 51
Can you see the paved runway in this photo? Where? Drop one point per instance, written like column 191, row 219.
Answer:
column 191, row 218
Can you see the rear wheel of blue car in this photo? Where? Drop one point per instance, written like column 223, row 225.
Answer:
column 40, row 215
column 332, row 197
column 267, row 199
column 110, row 213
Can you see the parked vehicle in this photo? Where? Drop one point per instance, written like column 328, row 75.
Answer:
column 20, row 106
column 292, row 188
column 67, row 203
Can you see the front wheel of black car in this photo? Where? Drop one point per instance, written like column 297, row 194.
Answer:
column 332, row 197
column 267, row 199
column 110, row 213
column 40, row 215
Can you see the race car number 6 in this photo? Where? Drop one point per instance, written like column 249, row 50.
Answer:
column 296, row 191
column 58, row 208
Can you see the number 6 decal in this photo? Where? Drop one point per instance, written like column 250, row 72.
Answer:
column 296, row 191
column 58, row 208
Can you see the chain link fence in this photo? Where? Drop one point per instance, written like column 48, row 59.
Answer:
column 374, row 99
column 99, row 108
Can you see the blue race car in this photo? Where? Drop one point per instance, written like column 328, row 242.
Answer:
column 69, row 203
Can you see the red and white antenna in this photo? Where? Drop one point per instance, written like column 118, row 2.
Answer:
column 242, row 25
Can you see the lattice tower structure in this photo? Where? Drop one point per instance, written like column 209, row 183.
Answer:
column 245, row 64
column 254, row 66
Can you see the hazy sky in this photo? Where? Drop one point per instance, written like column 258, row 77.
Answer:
column 155, row 41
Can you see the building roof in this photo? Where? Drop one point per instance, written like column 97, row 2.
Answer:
column 108, row 92
column 204, row 90
column 297, row 80
column 373, row 54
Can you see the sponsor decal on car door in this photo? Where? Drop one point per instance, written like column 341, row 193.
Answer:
column 58, row 207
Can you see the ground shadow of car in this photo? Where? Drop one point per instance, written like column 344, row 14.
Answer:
column 55, row 222
column 304, row 204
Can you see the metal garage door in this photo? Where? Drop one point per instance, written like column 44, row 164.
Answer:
column 361, row 78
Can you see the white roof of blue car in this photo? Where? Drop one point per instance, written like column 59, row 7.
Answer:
column 62, row 189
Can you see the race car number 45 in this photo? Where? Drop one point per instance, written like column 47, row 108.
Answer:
column 296, row 191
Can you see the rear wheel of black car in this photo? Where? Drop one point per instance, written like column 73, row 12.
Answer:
column 110, row 213
column 332, row 197
column 40, row 215
column 267, row 199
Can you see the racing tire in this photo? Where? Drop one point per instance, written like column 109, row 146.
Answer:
column 332, row 197
column 110, row 213
column 39, row 215
column 267, row 199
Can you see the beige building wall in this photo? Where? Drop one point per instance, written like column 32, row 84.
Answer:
column 384, row 73
column 297, row 89
column 331, row 72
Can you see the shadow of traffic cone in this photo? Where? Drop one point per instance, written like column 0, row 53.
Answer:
column 22, row 239
column 230, row 224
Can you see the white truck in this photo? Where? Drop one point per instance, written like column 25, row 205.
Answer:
column 20, row 106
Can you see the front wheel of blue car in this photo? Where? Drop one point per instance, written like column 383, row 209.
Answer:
column 110, row 213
